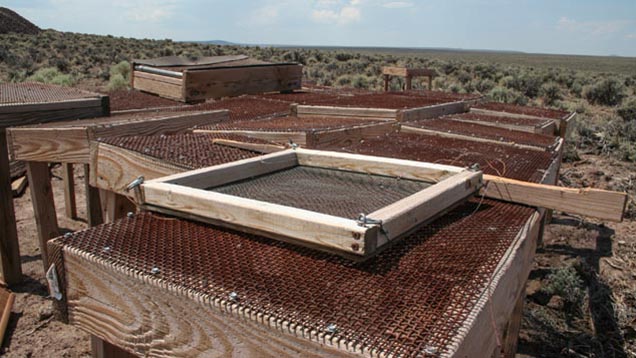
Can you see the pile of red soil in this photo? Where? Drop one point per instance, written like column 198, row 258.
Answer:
column 10, row 21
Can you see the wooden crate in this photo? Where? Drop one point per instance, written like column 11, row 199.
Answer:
column 186, row 194
column 198, row 83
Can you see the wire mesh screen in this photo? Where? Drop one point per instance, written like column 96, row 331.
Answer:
column 328, row 191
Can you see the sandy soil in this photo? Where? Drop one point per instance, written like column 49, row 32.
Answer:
column 603, row 255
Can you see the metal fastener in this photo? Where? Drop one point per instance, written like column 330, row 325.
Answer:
column 155, row 271
column 68, row 235
column 332, row 328
column 233, row 296
column 130, row 214
column 106, row 249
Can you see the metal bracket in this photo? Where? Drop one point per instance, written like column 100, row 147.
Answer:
column 475, row 167
column 293, row 145
column 136, row 186
column 54, row 283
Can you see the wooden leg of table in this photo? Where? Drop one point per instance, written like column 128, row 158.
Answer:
column 409, row 83
column 69, row 191
column 103, row 349
column 387, row 78
column 117, row 206
column 511, row 338
column 43, row 205
column 9, row 247
column 93, row 202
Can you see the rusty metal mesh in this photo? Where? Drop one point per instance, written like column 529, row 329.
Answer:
column 244, row 107
column 515, row 163
column 389, row 100
column 409, row 300
column 328, row 191
column 293, row 124
column 186, row 150
column 447, row 125
column 18, row 93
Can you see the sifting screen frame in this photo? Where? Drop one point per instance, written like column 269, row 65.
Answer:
column 186, row 195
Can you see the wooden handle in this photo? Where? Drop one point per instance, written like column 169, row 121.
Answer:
column 596, row 203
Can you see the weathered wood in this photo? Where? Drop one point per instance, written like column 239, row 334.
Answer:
column 546, row 127
column 70, row 207
column 511, row 335
column 404, row 72
column 6, row 298
column 597, row 203
column 151, row 319
column 330, row 111
column 408, row 129
column 68, row 142
column 36, row 117
column 485, row 326
column 163, row 89
column 114, row 168
column 43, row 206
column 234, row 81
column 50, row 106
column 116, row 206
column 406, row 169
column 93, row 202
column 255, row 147
column 158, row 78
column 9, row 246
column 103, row 349
column 299, row 138
column 18, row 186
column 565, row 125
column 437, row 110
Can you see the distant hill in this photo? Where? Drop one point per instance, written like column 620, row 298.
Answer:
column 10, row 21
column 215, row 42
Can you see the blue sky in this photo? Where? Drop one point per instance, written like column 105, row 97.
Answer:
column 546, row 26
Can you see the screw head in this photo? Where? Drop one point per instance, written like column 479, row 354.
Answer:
column 332, row 328
column 68, row 235
column 106, row 249
column 233, row 296
column 130, row 214
column 155, row 271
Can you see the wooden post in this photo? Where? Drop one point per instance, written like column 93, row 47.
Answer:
column 117, row 206
column 93, row 202
column 69, row 191
column 430, row 83
column 43, row 205
column 409, row 83
column 103, row 349
column 387, row 78
column 511, row 337
column 9, row 246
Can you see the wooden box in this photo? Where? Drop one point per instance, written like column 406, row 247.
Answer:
column 301, row 188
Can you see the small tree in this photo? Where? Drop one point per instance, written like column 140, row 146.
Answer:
column 608, row 92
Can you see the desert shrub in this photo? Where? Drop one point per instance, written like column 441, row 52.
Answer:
column 567, row 283
column 608, row 92
column 343, row 56
column 485, row 85
column 117, row 82
column 551, row 92
column 464, row 77
column 122, row 68
column 51, row 75
column 628, row 111
column 344, row 80
column 506, row 95
column 360, row 81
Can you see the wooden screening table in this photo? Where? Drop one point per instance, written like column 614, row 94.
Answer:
column 69, row 143
column 24, row 104
column 407, row 74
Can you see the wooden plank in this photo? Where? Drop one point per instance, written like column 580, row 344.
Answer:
column 419, row 208
column 163, row 89
column 521, row 128
column 43, row 206
column 438, row 110
column 93, row 202
column 145, row 316
column 394, row 71
column 70, row 207
column 103, row 349
column 255, row 147
column 10, row 267
column 6, row 298
column 400, row 168
column 18, row 186
column 30, row 118
column 597, row 203
column 565, row 125
column 229, row 172
column 49, row 145
column 485, row 325
column 114, row 168
column 158, row 78
column 347, row 136
column 299, row 138
column 51, row 106
column 508, row 114
column 330, row 111
column 234, row 81
column 329, row 232
column 423, row 131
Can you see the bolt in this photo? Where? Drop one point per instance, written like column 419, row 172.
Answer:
column 68, row 235
column 130, row 214
column 233, row 296
column 106, row 249
column 332, row 328
column 155, row 271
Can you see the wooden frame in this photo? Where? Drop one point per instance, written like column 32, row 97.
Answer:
column 184, row 193
column 551, row 126
column 199, row 84
column 316, row 138
column 400, row 115
column 68, row 142
column 408, row 74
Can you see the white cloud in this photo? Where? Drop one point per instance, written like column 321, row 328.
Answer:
column 147, row 10
column 397, row 4
column 266, row 15
column 334, row 12
column 591, row 27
